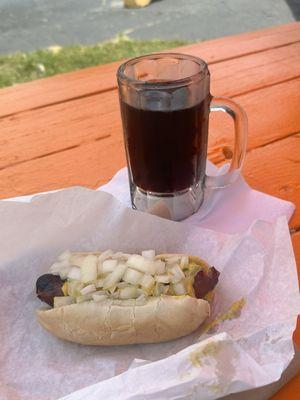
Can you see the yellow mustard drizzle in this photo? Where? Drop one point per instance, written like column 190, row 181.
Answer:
column 209, row 296
column 65, row 288
column 210, row 349
column 190, row 287
column 233, row 312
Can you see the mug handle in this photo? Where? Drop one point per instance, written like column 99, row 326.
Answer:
column 240, row 144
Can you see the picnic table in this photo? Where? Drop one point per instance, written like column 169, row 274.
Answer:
column 66, row 130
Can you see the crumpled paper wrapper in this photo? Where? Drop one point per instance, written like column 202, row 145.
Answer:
column 249, row 350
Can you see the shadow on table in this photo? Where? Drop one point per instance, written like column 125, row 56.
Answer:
column 294, row 6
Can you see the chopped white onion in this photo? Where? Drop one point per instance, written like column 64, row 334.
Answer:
column 77, row 259
column 120, row 256
column 55, row 267
column 175, row 279
column 177, row 271
column 74, row 288
column 114, row 277
column 88, row 289
column 129, row 292
column 179, row 289
column 141, row 300
column 112, row 289
column 75, row 273
column 122, row 274
column 108, row 266
column 159, row 289
column 89, row 269
column 105, row 255
column 99, row 297
column 160, row 267
column 54, row 273
column 58, row 266
column 61, row 301
column 142, row 292
column 115, row 295
column 162, row 278
column 99, row 283
column 166, row 289
column 64, row 272
column 173, row 260
column 101, row 292
column 132, row 276
column 184, row 261
column 147, row 282
column 141, row 264
column 84, row 297
column 99, row 267
column 65, row 256
column 149, row 254
column 122, row 285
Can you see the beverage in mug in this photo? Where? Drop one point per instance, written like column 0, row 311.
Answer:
column 167, row 149
column 165, row 104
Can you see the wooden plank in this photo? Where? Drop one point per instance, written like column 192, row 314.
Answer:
column 90, row 164
column 296, row 336
column 272, row 115
column 102, row 78
column 289, row 391
column 255, row 71
column 274, row 169
column 52, row 129
column 59, row 127
column 235, row 46
column 57, row 89
column 296, row 246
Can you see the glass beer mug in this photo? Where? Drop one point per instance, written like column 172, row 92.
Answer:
column 165, row 104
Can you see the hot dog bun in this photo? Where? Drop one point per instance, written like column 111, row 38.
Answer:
column 121, row 322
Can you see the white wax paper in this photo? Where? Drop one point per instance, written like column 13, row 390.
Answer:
column 249, row 351
column 230, row 210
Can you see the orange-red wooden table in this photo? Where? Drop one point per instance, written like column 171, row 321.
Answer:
column 66, row 130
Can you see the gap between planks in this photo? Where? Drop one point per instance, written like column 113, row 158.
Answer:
column 273, row 141
column 253, row 52
column 54, row 103
column 51, row 153
column 265, row 86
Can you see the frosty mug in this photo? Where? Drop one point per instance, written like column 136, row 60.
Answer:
column 165, row 103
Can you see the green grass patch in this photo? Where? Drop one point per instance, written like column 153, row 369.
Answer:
column 23, row 67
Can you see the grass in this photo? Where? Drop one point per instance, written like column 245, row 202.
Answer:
column 23, row 67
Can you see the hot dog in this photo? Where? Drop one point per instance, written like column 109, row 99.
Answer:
column 117, row 298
